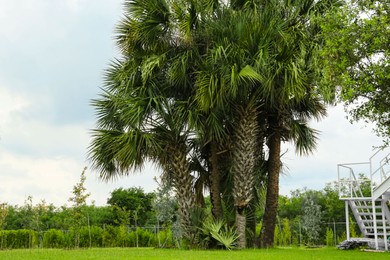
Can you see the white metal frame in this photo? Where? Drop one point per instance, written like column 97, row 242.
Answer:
column 353, row 193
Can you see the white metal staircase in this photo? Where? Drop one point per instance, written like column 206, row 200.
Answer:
column 369, row 205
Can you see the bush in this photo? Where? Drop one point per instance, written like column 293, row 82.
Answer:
column 22, row 238
column 54, row 238
column 144, row 237
column 166, row 238
column 329, row 239
column 91, row 237
column 109, row 238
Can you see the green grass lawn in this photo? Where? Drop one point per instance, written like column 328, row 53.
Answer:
column 150, row 253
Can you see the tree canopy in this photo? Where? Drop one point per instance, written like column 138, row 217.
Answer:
column 357, row 59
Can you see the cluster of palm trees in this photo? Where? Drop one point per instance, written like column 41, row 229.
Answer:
column 208, row 90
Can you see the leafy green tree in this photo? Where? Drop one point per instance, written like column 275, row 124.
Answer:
column 357, row 57
column 132, row 199
column 334, row 208
column 100, row 215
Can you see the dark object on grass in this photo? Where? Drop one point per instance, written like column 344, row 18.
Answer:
column 350, row 244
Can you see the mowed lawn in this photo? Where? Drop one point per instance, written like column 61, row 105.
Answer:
column 150, row 253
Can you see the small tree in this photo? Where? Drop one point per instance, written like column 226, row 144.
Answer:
column 79, row 202
column 286, row 233
column 329, row 237
column 311, row 220
column 165, row 206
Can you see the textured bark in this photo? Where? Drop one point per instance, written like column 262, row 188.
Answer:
column 250, row 214
column 215, row 188
column 244, row 162
column 241, row 226
column 271, row 204
column 184, row 191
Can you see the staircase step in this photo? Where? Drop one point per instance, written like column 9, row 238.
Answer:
column 369, row 213
column 378, row 224
column 378, row 227
column 368, row 207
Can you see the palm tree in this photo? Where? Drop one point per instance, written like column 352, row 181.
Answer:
column 142, row 111
column 262, row 53
column 291, row 95
column 229, row 82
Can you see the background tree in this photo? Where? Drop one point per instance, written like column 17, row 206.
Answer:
column 3, row 217
column 357, row 58
column 311, row 220
column 132, row 199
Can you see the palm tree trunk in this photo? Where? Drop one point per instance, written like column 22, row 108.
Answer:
column 271, row 204
column 184, row 192
column 215, row 188
column 241, row 227
column 244, row 163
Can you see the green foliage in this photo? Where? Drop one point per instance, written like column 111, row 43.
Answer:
column 220, row 232
column 54, row 238
column 165, row 239
column 21, row 238
column 286, row 240
column 3, row 217
column 79, row 200
column 110, row 236
column 277, row 236
column 329, row 239
column 342, row 237
column 357, row 56
column 334, row 208
column 91, row 236
column 352, row 227
column 132, row 200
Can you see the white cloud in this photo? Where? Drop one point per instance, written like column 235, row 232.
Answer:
column 43, row 178
column 10, row 104
column 52, row 54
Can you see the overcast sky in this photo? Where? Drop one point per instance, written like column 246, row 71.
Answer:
column 52, row 58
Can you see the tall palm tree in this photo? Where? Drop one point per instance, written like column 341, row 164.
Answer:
column 229, row 82
column 291, row 94
column 142, row 112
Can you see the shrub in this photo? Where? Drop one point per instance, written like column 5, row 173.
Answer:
column 329, row 237
column 91, row 236
column 22, row 238
column 110, row 234
column 54, row 238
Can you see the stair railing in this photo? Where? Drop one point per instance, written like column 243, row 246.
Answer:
column 382, row 177
column 350, row 182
